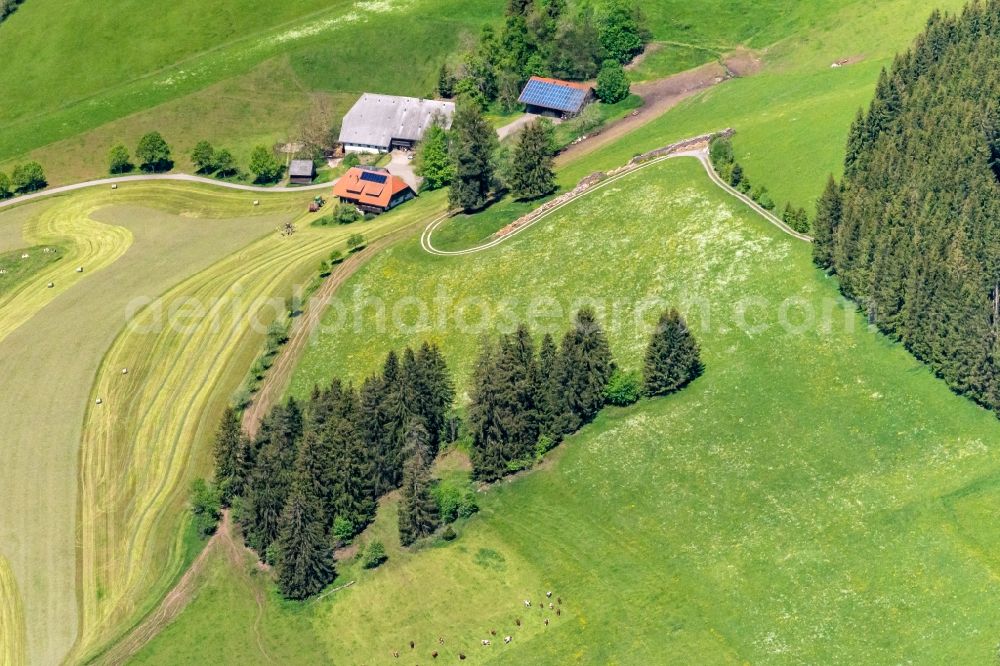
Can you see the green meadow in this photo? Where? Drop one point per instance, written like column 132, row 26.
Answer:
column 817, row 496
column 814, row 497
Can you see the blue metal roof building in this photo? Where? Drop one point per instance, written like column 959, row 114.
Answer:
column 542, row 95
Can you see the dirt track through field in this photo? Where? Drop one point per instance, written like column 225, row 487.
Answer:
column 270, row 391
column 273, row 385
column 178, row 597
column 658, row 97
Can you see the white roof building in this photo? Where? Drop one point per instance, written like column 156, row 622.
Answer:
column 380, row 123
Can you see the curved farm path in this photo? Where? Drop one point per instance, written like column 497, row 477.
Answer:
column 278, row 376
column 139, row 178
column 701, row 155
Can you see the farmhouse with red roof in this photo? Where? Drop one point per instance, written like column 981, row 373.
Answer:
column 372, row 190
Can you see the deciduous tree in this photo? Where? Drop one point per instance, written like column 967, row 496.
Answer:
column 225, row 163
column 203, row 157
column 264, row 165
column 153, row 153
column 433, row 162
column 119, row 159
column 612, row 82
column 27, row 177
column 621, row 31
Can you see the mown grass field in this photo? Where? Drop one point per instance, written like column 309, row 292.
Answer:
column 50, row 360
column 12, row 224
column 151, row 436
column 816, row 497
column 12, row 629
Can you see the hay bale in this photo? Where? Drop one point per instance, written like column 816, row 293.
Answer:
column 51, row 284
column 99, row 401
column 79, row 269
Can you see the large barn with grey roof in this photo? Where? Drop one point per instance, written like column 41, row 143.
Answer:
column 381, row 123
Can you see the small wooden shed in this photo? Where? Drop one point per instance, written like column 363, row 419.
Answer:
column 301, row 172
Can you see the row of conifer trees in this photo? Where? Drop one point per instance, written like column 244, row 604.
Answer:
column 526, row 399
column 311, row 477
column 913, row 229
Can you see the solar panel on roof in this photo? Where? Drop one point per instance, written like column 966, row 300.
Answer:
column 552, row 96
column 373, row 177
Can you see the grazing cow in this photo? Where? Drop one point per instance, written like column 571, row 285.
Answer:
column 507, row 640
column 548, row 595
column 493, row 632
column 412, row 645
column 527, row 603
column 518, row 622
column 550, row 606
column 434, row 654
column 559, row 611
column 395, row 654
column 440, row 640
column 546, row 622
column 485, row 642
column 461, row 655
column 559, row 600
